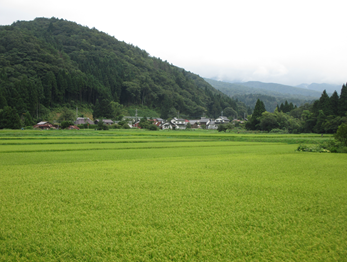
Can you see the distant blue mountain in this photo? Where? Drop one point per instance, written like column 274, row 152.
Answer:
column 283, row 89
column 321, row 87
column 271, row 94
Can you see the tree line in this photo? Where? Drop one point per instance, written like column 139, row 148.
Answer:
column 324, row 115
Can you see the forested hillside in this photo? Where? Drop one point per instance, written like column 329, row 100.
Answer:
column 47, row 63
column 270, row 93
column 283, row 89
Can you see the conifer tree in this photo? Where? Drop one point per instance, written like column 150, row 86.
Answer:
column 9, row 118
column 282, row 107
column 334, row 102
column 342, row 104
column 287, row 107
column 96, row 110
column 325, row 103
column 321, row 119
column 253, row 124
column 3, row 102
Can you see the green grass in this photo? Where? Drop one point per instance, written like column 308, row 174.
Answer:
column 155, row 200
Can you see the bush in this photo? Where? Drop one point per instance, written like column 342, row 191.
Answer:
column 66, row 124
column 125, row 126
column 341, row 134
column 114, row 126
column 222, row 127
column 102, row 126
column 324, row 147
column 280, row 131
column 153, row 127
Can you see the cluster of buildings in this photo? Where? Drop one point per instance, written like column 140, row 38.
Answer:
column 173, row 124
column 44, row 125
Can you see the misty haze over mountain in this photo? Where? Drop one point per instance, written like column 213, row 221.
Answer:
column 320, row 87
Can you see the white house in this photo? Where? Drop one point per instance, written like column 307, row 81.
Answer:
column 166, row 126
column 179, row 124
column 212, row 125
column 222, row 120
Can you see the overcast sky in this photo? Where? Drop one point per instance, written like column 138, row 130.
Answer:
column 281, row 41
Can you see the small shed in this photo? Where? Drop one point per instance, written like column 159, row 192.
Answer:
column 73, row 127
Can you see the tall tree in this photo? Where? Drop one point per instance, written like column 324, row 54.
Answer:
column 342, row 105
column 253, row 124
column 325, row 103
column 9, row 118
column 334, row 102
column 321, row 119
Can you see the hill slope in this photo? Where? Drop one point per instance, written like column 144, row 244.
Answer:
column 270, row 93
column 53, row 62
column 283, row 89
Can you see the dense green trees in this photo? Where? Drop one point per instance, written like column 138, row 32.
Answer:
column 341, row 134
column 287, row 107
column 9, row 118
column 253, row 122
column 322, row 116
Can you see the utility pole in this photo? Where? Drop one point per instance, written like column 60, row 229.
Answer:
column 76, row 112
column 136, row 116
column 177, row 114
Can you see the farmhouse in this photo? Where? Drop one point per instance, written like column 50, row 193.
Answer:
column 73, row 127
column 212, row 125
column 222, row 120
column 194, row 123
column 179, row 124
column 204, row 121
column 166, row 126
column 107, row 122
column 158, row 122
column 80, row 121
column 44, row 125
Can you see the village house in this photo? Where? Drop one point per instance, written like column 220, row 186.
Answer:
column 106, row 122
column 81, row 120
column 136, row 125
column 194, row 124
column 166, row 126
column 180, row 124
column 222, row 120
column 131, row 119
column 212, row 125
column 73, row 127
column 203, row 122
column 44, row 125
column 158, row 122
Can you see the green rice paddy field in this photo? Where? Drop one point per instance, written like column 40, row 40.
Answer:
column 169, row 196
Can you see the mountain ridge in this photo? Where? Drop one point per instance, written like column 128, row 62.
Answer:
column 330, row 88
column 250, row 92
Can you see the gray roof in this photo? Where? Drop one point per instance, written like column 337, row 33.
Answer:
column 224, row 118
column 193, row 121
